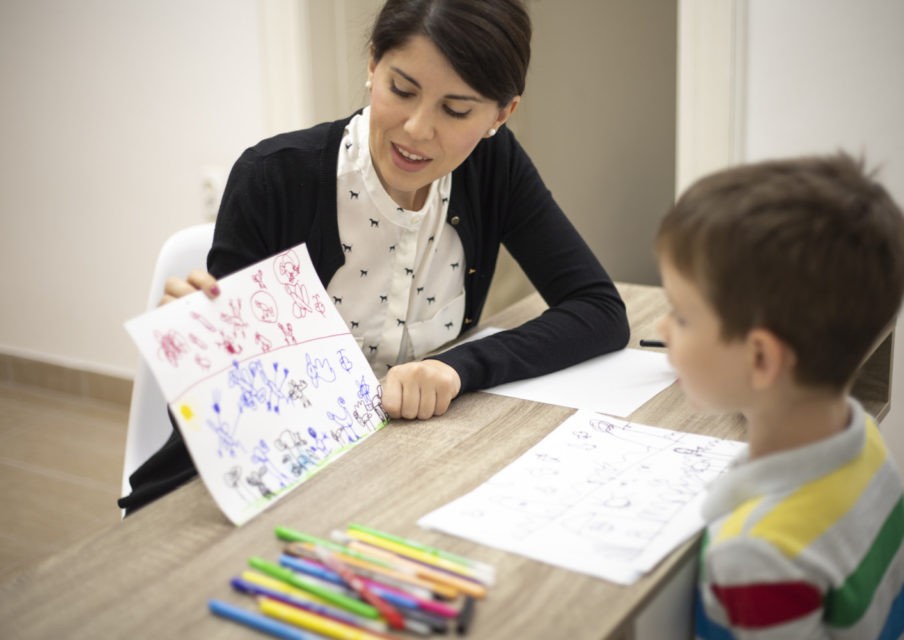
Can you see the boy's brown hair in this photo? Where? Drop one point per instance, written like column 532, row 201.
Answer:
column 811, row 249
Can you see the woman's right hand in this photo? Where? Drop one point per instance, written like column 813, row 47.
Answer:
column 197, row 279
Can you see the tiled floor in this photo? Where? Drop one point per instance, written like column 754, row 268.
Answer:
column 60, row 469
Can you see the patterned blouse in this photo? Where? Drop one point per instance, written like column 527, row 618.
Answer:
column 401, row 290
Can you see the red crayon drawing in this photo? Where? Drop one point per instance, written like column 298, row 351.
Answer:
column 264, row 308
column 171, row 346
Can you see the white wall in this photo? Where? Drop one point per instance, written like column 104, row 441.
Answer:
column 598, row 118
column 113, row 109
column 110, row 110
column 824, row 75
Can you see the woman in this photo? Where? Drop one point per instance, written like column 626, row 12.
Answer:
column 404, row 206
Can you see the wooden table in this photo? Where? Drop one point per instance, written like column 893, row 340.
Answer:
column 151, row 575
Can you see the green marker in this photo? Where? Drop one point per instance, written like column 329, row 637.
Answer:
column 485, row 571
column 291, row 535
column 289, row 577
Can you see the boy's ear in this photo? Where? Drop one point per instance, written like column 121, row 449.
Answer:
column 769, row 358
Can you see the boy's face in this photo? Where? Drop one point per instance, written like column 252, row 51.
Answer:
column 712, row 372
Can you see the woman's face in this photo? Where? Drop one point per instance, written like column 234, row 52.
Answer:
column 424, row 119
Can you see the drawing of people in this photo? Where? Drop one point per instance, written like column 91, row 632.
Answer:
column 233, row 479
column 301, row 301
column 234, row 318
column 256, row 480
column 321, row 445
column 286, row 267
column 227, row 445
column 344, row 361
column 261, row 454
column 295, row 456
column 296, row 391
column 364, row 417
column 271, row 387
column 264, row 307
column 343, row 421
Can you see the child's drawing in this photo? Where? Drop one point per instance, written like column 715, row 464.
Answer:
column 268, row 386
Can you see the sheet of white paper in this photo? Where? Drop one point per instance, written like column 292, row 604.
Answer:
column 597, row 495
column 266, row 383
column 616, row 383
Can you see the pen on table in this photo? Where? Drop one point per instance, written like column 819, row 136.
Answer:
column 421, row 616
column 388, row 570
column 292, row 536
column 311, row 568
column 252, row 589
column 433, row 614
column 331, row 597
column 389, row 613
column 466, row 616
column 315, row 568
column 652, row 343
column 401, row 579
column 464, row 584
column 258, row 622
column 384, row 572
column 410, row 600
column 278, row 585
column 313, row 622
column 393, row 595
column 485, row 571
column 411, row 553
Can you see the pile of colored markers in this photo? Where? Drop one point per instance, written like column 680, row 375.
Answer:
column 361, row 585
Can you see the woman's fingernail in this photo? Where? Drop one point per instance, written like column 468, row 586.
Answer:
column 215, row 290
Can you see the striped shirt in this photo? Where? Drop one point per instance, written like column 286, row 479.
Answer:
column 806, row 543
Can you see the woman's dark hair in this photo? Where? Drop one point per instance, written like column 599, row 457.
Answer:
column 487, row 42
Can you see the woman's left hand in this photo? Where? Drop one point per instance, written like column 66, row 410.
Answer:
column 420, row 389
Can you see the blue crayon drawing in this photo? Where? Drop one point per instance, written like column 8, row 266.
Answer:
column 319, row 370
column 227, row 444
column 257, row 387
column 344, row 361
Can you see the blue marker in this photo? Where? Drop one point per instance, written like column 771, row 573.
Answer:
column 244, row 586
column 316, row 570
column 312, row 569
column 258, row 621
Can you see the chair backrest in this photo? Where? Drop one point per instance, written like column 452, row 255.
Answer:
column 149, row 424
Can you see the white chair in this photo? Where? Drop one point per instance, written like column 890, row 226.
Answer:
column 149, row 424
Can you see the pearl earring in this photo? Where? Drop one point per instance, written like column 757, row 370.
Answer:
column 491, row 132
column 368, row 84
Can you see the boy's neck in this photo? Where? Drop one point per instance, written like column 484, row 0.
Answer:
column 795, row 420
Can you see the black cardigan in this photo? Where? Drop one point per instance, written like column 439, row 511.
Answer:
column 282, row 192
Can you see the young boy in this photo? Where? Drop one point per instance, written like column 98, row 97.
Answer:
column 781, row 276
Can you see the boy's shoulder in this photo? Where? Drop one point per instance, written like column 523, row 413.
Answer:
column 792, row 498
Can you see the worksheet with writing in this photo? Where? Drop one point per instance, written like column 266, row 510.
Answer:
column 598, row 495
column 266, row 383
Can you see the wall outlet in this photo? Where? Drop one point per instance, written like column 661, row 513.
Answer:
column 213, row 181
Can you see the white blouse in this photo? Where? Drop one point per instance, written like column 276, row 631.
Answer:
column 401, row 290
